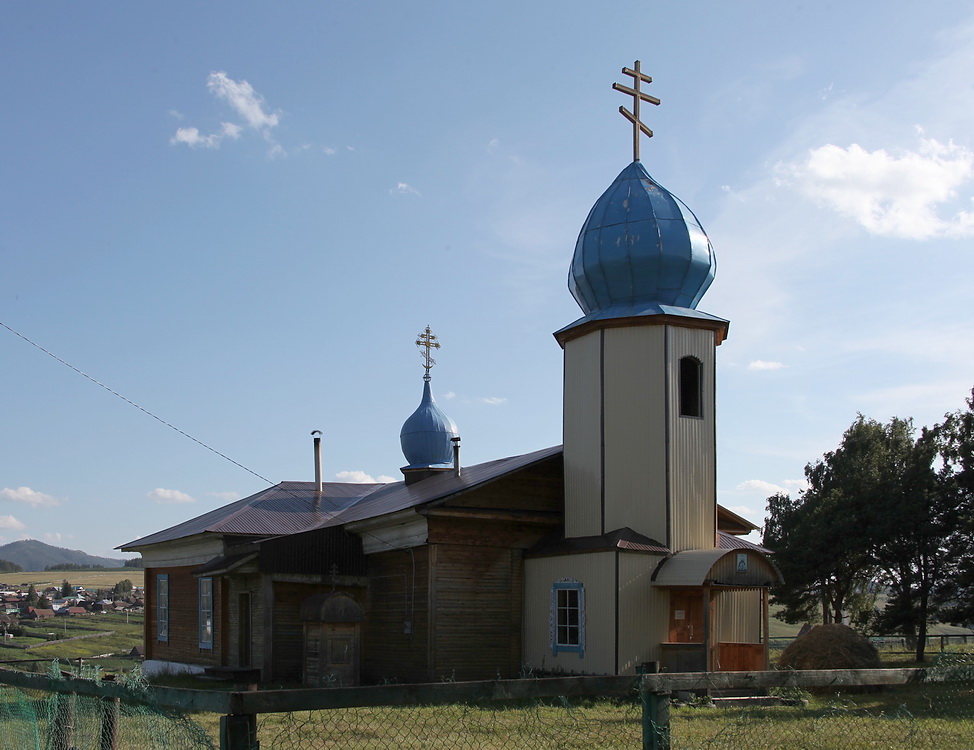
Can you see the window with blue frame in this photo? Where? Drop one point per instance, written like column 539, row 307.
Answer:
column 567, row 618
column 162, row 607
column 206, row 613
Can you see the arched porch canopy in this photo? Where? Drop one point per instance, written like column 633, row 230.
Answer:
column 738, row 568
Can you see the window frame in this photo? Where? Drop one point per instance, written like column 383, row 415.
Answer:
column 205, row 609
column 162, row 607
column 691, row 387
column 562, row 594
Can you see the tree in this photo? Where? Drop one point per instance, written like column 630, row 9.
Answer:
column 31, row 596
column 819, row 539
column 66, row 589
column 910, row 534
column 10, row 567
column 122, row 588
column 955, row 437
column 876, row 513
column 43, row 602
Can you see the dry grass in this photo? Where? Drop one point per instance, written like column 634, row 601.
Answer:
column 91, row 579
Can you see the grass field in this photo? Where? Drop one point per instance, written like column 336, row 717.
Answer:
column 99, row 578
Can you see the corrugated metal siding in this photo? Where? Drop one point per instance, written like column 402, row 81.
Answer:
column 643, row 612
column 597, row 573
column 693, row 481
column 583, row 435
column 314, row 553
column 738, row 616
column 635, row 430
column 760, row 571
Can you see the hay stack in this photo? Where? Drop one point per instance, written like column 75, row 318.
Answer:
column 830, row 647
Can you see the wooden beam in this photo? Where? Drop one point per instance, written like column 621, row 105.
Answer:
column 661, row 683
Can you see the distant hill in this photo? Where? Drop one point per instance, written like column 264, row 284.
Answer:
column 31, row 554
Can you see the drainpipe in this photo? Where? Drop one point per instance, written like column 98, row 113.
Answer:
column 317, row 436
column 456, row 455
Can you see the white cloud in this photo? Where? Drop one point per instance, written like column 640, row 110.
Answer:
column 449, row 394
column 169, row 497
column 29, row 497
column 360, row 477
column 9, row 522
column 404, row 188
column 759, row 485
column 891, row 195
column 226, row 496
column 245, row 101
column 492, row 400
column 54, row 537
column 329, row 151
column 760, row 364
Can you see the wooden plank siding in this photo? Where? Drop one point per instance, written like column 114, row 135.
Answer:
column 288, row 629
column 476, row 605
column 397, row 595
column 183, row 644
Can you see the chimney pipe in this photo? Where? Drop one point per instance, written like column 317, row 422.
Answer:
column 456, row 455
column 317, row 437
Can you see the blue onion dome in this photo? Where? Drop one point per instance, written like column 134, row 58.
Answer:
column 425, row 436
column 640, row 248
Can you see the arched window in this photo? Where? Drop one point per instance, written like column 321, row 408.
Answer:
column 691, row 387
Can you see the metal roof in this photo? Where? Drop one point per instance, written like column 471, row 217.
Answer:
column 285, row 508
column 292, row 507
column 729, row 541
column 624, row 539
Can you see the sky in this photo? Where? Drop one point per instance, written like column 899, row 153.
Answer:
column 232, row 219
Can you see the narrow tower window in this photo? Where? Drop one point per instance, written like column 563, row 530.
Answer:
column 691, row 387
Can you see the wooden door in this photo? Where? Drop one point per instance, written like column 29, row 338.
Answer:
column 331, row 654
column 686, row 616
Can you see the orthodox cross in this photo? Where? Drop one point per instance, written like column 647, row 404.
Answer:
column 637, row 96
column 426, row 341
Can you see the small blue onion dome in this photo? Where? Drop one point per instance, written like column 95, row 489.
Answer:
column 640, row 247
column 425, row 436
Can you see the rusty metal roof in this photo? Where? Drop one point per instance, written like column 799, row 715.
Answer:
column 624, row 539
column 285, row 508
column 398, row 496
column 730, row 541
column 291, row 507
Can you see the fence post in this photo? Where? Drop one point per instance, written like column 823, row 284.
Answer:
column 110, row 710
column 62, row 721
column 656, row 720
column 238, row 732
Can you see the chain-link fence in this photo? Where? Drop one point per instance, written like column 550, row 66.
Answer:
column 932, row 708
column 46, row 720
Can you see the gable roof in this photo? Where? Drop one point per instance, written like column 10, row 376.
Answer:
column 293, row 507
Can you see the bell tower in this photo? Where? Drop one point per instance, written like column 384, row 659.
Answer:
column 639, row 366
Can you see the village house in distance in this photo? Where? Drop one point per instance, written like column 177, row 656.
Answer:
column 606, row 555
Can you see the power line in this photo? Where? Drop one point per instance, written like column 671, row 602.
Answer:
column 171, row 426
column 132, row 403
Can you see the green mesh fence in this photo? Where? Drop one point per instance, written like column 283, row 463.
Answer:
column 549, row 724
column 937, row 714
column 62, row 721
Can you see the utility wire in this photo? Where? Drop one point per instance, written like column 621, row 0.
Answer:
column 132, row 403
column 171, row 426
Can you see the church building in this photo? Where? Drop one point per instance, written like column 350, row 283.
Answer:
column 606, row 555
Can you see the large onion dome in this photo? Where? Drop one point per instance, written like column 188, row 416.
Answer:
column 426, row 435
column 641, row 249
